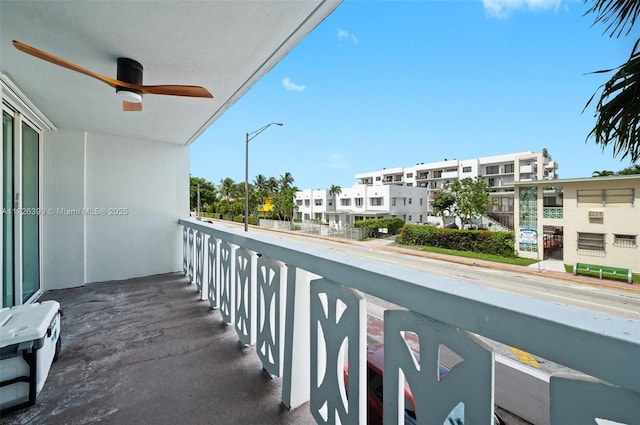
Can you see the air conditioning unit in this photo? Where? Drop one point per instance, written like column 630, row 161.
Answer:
column 596, row 214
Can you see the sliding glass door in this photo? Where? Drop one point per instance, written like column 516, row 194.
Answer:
column 7, row 207
column 21, row 208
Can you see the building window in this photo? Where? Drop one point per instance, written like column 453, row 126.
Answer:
column 345, row 202
column 410, row 200
column 317, row 216
column 591, row 243
column 299, row 202
column 410, row 218
column 409, row 175
column 626, row 241
column 306, row 203
column 393, row 202
column 420, row 205
column 466, row 169
column 437, row 174
column 508, row 168
column 619, row 197
column 318, row 202
column 492, row 182
column 358, row 202
column 329, row 202
column 376, row 202
column 493, row 169
column 606, row 197
column 377, row 178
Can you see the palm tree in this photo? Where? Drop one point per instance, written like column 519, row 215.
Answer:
column 602, row 173
column 334, row 191
column 618, row 109
column 285, row 181
column 226, row 190
column 633, row 169
column 272, row 185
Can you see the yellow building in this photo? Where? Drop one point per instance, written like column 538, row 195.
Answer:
column 265, row 209
column 593, row 220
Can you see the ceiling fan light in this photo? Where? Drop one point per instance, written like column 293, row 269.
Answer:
column 129, row 96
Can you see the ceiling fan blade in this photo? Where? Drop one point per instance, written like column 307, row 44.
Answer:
column 41, row 54
column 169, row 90
column 172, row 90
column 131, row 106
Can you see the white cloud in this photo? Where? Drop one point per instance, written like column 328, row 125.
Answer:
column 504, row 8
column 291, row 86
column 346, row 35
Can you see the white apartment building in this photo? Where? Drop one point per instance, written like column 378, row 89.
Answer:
column 407, row 192
column 363, row 201
column 500, row 173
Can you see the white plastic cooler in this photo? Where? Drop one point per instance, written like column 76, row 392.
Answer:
column 29, row 342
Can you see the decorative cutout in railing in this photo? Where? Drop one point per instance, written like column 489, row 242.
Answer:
column 470, row 381
column 190, row 256
column 199, row 254
column 553, row 212
column 338, row 328
column 244, row 302
column 226, row 284
column 185, row 249
column 213, row 273
column 271, row 297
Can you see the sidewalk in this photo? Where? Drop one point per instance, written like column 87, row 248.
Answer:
column 546, row 269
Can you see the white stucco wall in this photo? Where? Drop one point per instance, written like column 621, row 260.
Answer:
column 143, row 184
column 62, row 187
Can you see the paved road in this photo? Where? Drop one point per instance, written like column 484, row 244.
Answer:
column 616, row 298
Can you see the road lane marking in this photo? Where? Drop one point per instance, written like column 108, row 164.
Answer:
column 525, row 357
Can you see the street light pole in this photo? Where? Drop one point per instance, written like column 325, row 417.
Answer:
column 249, row 137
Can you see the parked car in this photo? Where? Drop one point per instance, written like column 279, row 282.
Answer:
column 375, row 371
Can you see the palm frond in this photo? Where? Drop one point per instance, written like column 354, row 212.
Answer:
column 618, row 109
column 618, row 14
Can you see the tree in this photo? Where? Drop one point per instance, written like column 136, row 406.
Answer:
column 286, row 181
column 443, row 203
column 602, row 173
column 284, row 204
column 227, row 191
column 472, row 198
column 208, row 193
column 633, row 169
column 546, row 155
column 334, row 191
column 618, row 108
column 272, row 185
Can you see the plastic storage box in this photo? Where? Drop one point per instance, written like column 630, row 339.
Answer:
column 29, row 342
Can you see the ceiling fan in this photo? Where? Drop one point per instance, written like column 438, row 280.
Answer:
column 128, row 84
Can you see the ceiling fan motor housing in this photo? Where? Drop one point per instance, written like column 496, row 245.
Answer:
column 130, row 71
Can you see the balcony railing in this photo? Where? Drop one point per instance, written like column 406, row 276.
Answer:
column 304, row 309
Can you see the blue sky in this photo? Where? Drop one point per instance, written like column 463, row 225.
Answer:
column 383, row 84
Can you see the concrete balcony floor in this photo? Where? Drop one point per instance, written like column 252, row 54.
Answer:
column 147, row 351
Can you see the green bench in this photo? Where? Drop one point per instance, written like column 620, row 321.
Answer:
column 602, row 271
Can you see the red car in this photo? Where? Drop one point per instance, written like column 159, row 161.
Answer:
column 375, row 370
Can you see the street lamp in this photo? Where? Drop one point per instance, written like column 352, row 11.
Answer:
column 250, row 136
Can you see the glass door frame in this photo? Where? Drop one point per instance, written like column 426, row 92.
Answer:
column 18, row 121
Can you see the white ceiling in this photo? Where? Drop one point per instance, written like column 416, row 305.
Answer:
column 225, row 46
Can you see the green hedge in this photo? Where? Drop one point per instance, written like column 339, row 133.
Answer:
column 392, row 224
column 496, row 243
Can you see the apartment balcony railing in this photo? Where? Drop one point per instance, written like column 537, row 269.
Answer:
column 304, row 309
column 553, row 212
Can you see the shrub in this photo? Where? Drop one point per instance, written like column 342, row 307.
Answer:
column 393, row 225
column 484, row 241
